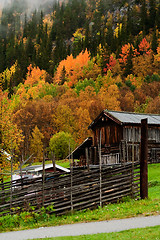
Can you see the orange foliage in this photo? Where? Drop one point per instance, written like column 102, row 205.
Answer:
column 33, row 85
column 35, row 75
column 125, row 52
column 73, row 68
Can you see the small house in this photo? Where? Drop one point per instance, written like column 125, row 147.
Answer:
column 117, row 135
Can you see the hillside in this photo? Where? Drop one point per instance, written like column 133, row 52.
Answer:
column 62, row 63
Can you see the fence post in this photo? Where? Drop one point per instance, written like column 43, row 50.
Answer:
column 53, row 161
column 71, row 176
column 100, row 171
column 144, row 160
column 43, row 178
column 11, row 193
column 133, row 159
column 87, row 158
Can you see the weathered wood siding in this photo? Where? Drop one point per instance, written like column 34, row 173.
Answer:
column 110, row 135
column 133, row 134
column 122, row 143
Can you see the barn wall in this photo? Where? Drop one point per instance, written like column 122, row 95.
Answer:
column 110, row 135
column 122, row 143
column 133, row 134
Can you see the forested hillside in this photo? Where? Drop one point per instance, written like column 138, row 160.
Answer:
column 63, row 63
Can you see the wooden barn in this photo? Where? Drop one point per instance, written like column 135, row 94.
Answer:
column 120, row 135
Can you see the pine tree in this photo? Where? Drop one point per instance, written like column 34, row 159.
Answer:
column 40, row 30
column 152, row 13
column 154, row 41
column 144, row 17
column 158, row 18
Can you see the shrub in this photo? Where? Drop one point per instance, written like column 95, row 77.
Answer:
column 59, row 144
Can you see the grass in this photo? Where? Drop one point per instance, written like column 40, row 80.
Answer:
column 154, row 181
column 149, row 233
column 125, row 209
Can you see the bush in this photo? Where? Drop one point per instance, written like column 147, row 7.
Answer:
column 59, row 144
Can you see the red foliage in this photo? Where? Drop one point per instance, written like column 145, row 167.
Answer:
column 111, row 64
column 144, row 46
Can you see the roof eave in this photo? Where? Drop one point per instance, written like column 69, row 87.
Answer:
column 107, row 114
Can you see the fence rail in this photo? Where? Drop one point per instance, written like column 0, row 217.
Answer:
column 82, row 190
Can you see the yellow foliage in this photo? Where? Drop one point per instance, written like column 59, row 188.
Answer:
column 11, row 136
column 109, row 97
column 79, row 34
column 83, row 122
column 143, row 65
column 157, row 56
column 136, row 81
column 36, row 144
column 118, row 29
column 7, row 74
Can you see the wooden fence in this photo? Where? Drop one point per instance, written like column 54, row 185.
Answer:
column 77, row 190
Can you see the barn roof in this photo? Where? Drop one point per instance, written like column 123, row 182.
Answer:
column 123, row 118
column 127, row 117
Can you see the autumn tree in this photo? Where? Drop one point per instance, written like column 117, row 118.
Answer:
column 82, row 123
column 109, row 97
column 145, row 59
column 10, row 136
column 126, row 100
column 154, row 106
column 63, row 119
column 73, row 68
column 6, row 77
column 36, row 113
column 36, row 144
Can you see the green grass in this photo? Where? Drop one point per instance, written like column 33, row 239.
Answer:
column 127, row 208
column 149, row 233
column 154, row 181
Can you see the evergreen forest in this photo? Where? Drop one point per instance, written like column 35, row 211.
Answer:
column 64, row 62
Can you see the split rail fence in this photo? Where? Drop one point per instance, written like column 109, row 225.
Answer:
column 80, row 189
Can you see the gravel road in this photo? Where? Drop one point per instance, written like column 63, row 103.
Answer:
column 83, row 228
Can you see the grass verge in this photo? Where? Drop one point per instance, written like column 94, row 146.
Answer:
column 149, row 233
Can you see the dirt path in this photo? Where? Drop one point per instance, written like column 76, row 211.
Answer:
column 83, row 228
